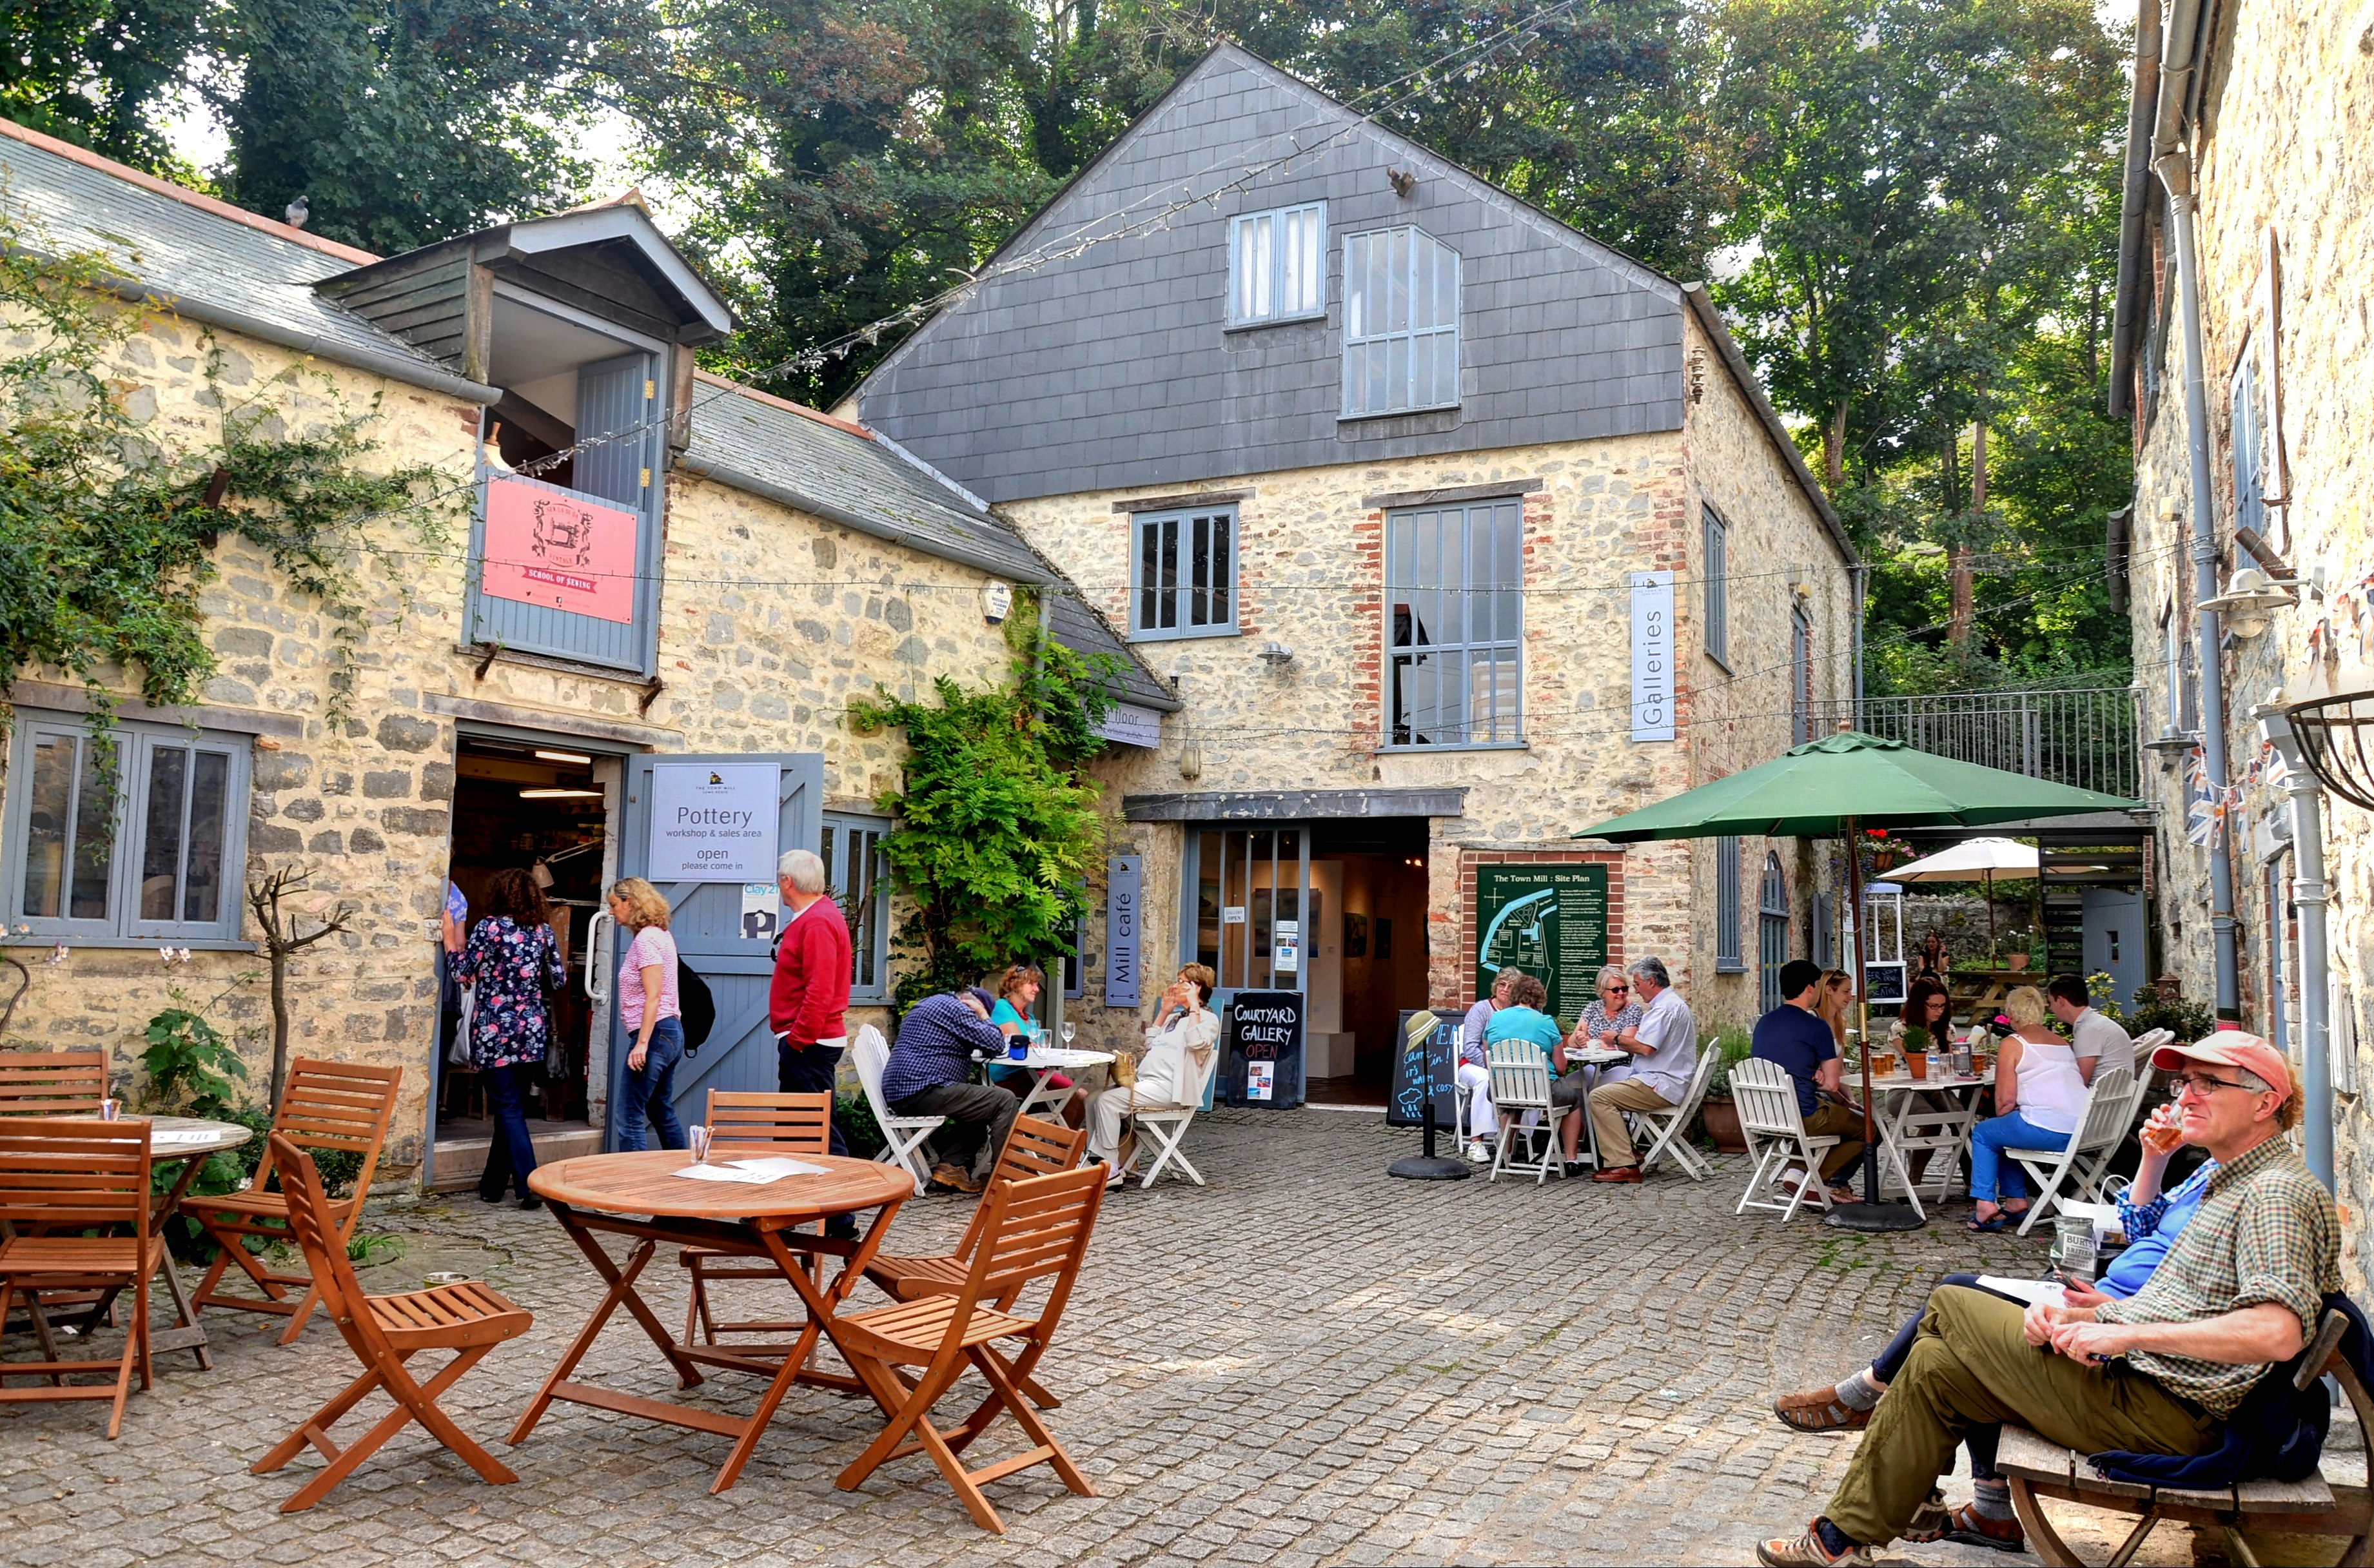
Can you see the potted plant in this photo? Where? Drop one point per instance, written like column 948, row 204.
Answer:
column 1716, row 1114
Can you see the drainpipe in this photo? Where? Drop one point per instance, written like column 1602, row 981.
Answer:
column 2309, row 896
column 2174, row 167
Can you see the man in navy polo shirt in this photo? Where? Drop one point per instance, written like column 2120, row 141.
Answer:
column 1794, row 1038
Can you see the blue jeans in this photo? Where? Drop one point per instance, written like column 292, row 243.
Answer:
column 653, row 1090
column 510, row 1153
column 1991, row 1175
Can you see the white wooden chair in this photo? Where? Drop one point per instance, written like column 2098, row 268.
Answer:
column 2102, row 1126
column 902, row 1136
column 1164, row 1125
column 1766, row 1097
column 1521, row 1083
column 1671, row 1126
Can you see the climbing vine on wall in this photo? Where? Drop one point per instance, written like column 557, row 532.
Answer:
column 997, row 833
column 112, row 516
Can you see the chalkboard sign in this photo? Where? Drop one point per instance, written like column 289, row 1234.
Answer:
column 1405, row 1102
column 1264, row 1039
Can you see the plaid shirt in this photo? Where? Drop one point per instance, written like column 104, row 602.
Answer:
column 2266, row 1232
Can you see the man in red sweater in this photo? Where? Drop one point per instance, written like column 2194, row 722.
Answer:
column 811, row 985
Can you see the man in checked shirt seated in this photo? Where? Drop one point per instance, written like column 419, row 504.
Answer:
column 2239, row 1291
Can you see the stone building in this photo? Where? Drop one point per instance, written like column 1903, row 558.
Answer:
column 2250, row 129
column 1370, row 459
column 696, row 592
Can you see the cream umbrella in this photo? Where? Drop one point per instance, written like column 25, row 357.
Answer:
column 1974, row 860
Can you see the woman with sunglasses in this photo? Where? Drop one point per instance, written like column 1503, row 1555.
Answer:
column 1605, row 1015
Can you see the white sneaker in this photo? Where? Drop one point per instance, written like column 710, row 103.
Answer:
column 1477, row 1154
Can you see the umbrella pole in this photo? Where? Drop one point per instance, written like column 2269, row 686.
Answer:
column 1871, row 1214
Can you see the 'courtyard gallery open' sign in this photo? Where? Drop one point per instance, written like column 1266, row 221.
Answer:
column 1653, row 656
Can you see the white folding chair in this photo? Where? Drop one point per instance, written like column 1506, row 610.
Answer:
column 902, row 1135
column 2101, row 1127
column 1165, row 1125
column 1521, row 1083
column 1766, row 1097
column 1670, row 1126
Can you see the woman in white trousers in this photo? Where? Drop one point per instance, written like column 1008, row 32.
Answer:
column 1179, row 1044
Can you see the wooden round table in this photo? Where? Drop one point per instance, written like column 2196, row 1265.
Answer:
column 640, row 1195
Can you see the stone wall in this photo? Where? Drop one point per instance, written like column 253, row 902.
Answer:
column 773, row 622
column 2287, row 104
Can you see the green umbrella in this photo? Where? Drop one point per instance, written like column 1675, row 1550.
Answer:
column 1839, row 785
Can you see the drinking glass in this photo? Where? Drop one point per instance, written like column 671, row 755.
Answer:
column 698, row 1136
column 110, row 1109
column 1070, row 1030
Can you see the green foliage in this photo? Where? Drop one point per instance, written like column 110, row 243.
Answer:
column 1734, row 1043
column 853, row 1113
column 106, row 538
column 997, row 833
column 2186, row 1020
column 92, row 71
column 192, row 1065
column 2101, row 997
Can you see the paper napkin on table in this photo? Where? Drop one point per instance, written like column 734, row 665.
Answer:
column 752, row 1172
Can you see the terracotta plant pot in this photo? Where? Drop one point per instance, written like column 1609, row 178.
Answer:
column 1721, row 1118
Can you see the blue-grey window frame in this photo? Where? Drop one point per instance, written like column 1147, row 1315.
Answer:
column 1182, row 592
column 1728, row 960
column 840, row 825
column 1317, row 312
column 1398, row 578
column 1772, row 931
column 1346, row 410
column 1714, row 564
column 2247, row 442
column 136, row 744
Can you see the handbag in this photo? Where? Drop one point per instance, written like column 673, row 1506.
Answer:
column 1124, row 1076
column 457, row 1050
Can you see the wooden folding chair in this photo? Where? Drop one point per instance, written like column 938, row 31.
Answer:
column 1521, row 1083
column 51, row 1083
column 326, row 1105
column 1774, row 1126
column 383, row 1332
column 1033, row 1148
column 74, row 1174
column 747, row 1125
column 903, row 1136
column 1672, row 1127
column 2102, row 1126
column 1033, row 1229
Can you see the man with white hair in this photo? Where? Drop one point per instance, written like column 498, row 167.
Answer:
column 810, row 991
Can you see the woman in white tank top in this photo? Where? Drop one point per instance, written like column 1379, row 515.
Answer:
column 2040, row 1094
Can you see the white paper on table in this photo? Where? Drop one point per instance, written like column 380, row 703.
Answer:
column 722, row 1173
column 2032, row 1291
column 776, row 1167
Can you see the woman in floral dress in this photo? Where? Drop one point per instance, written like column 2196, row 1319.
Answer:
column 512, row 963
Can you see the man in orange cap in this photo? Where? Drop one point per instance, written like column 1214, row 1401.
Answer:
column 2240, row 1291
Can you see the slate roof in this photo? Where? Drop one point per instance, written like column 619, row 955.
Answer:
column 195, row 257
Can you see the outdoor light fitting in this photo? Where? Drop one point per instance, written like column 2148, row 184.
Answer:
column 1277, row 655
column 2172, row 742
column 2250, row 595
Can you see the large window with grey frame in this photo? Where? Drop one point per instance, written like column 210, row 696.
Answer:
column 1184, row 573
column 857, row 872
column 1453, row 595
column 1715, row 562
column 1400, row 323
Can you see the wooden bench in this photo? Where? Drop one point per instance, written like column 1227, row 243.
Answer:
column 2037, row 1470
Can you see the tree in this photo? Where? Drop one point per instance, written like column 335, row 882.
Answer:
column 92, row 71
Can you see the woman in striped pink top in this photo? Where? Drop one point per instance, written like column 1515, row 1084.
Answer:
column 648, row 1009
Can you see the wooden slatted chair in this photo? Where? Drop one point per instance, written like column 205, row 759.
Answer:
column 72, row 1175
column 1774, row 1126
column 385, row 1332
column 2036, row 1469
column 1033, row 1148
column 902, row 1136
column 1033, row 1230
column 1670, row 1129
column 51, row 1083
column 2102, row 1126
column 747, row 1126
column 344, row 1106
column 1521, row 1085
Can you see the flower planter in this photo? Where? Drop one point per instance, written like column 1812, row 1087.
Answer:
column 1721, row 1118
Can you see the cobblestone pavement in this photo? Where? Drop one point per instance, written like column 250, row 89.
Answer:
column 1304, row 1362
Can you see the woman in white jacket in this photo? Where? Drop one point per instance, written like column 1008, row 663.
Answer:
column 1179, row 1044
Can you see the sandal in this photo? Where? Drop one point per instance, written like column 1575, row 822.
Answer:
column 1819, row 1410
column 1931, row 1520
column 1990, row 1226
column 1965, row 1525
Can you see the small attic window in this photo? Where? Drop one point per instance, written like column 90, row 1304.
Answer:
column 1278, row 265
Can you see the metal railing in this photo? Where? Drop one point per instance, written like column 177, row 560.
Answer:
column 2087, row 737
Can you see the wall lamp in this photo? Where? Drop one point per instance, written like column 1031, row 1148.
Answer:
column 2249, row 597
column 1277, row 655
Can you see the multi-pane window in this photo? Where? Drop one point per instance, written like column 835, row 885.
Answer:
column 858, row 875
column 1801, row 727
column 147, row 846
column 2249, row 443
column 1715, row 561
column 1400, row 323
column 1453, row 592
column 1726, row 907
column 1771, row 932
column 1184, row 573
column 1277, row 264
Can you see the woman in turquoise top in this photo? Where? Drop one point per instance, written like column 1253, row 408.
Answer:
column 1017, row 992
column 1525, row 1016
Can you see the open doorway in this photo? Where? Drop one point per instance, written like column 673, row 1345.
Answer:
column 1368, row 958
column 546, row 809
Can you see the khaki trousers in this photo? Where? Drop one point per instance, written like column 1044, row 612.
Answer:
column 1830, row 1119
column 1972, row 1366
column 1608, row 1103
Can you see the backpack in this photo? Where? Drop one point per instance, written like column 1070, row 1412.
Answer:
column 698, row 1006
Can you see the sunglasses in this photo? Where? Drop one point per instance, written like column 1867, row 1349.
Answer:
column 1614, row 987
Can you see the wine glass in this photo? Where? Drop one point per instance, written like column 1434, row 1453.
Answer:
column 1070, row 1029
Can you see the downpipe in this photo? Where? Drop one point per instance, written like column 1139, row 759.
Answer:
column 2309, row 896
column 2175, row 170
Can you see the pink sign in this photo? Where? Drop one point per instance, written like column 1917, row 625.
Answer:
column 547, row 547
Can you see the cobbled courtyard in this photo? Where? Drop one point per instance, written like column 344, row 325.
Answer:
column 1303, row 1363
